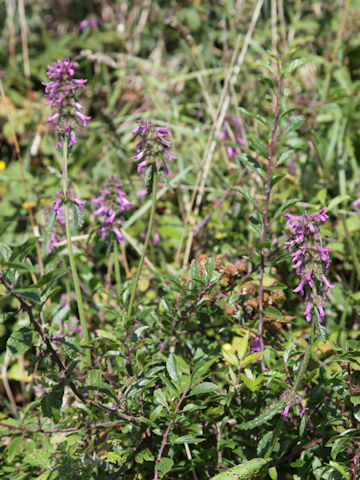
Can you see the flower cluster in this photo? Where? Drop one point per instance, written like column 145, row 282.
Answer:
column 153, row 147
column 59, row 201
column 233, row 131
column 61, row 95
column 110, row 205
column 311, row 259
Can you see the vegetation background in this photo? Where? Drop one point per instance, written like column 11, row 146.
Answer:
column 181, row 390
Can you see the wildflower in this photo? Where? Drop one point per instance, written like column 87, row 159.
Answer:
column 88, row 22
column 356, row 205
column 60, row 200
column 52, row 242
column 2, row 165
column 285, row 413
column 110, row 205
column 232, row 131
column 61, row 95
column 153, row 147
column 311, row 259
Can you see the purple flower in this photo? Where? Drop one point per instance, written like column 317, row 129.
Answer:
column 311, row 259
column 88, row 22
column 60, row 200
column 153, row 147
column 356, row 205
column 110, row 205
column 302, row 410
column 233, row 131
column 61, row 95
column 285, row 413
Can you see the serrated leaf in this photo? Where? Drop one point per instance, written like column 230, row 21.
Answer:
column 285, row 156
column 264, row 417
column 51, row 403
column 247, row 195
column 244, row 470
column 13, row 447
column 19, row 342
column 230, row 357
column 165, row 465
column 204, row 387
column 173, row 369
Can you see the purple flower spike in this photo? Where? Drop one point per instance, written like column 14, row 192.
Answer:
column 110, row 205
column 311, row 260
column 285, row 413
column 153, row 147
column 61, row 95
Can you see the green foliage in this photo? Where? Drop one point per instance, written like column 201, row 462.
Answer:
column 180, row 390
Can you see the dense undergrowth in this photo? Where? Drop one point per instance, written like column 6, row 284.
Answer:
column 149, row 324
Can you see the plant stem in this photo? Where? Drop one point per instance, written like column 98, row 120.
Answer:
column 117, row 268
column 150, row 225
column 299, row 377
column 266, row 214
column 72, row 258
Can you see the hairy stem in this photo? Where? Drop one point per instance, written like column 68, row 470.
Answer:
column 149, row 230
column 266, row 213
column 117, row 268
column 75, row 276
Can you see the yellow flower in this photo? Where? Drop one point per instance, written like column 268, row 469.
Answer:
column 29, row 204
column 2, row 165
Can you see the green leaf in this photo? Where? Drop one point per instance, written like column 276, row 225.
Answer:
column 165, row 465
column 19, row 266
column 284, row 206
column 264, row 417
column 247, row 195
column 290, row 67
column 195, row 271
column 340, row 468
column 251, row 358
column 77, row 215
column 276, row 179
column 148, row 179
column 13, row 447
column 285, row 156
column 231, row 358
column 244, row 470
column 173, row 369
column 256, row 224
column 204, row 387
column 295, row 123
column 19, row 342
column 251, row 163
column 50, row 222
column 186, row 439
column 320, row 326
column 335, row 201
column 5, row 252
column 258, row 145
column 29, row 293
column 51, row 277
column 257, row 117
column 166, row 180
column 51, row 403
column 273, row 312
